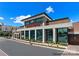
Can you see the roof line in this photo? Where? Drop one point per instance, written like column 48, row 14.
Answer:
column 37, row 15
column 61, row 18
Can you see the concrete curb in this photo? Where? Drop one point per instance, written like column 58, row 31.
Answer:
column 38, row 45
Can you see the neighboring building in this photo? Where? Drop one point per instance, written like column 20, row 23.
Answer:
column 6, row 28
column 1, row 24
column 41, row 28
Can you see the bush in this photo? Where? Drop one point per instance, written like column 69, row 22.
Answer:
column 5, row 34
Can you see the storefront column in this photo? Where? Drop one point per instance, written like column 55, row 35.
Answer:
column 29, row 34
column 35, row 34
column 43, row 39
column 24, row 33
column 54, row 35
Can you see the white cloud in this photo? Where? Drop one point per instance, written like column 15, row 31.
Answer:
column 11, row 18
column 76, row 20
column 19, row 18
column 49, row 9
column 71, row 20
column 1, row 18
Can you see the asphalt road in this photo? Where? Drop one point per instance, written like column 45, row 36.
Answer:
column 12, row 48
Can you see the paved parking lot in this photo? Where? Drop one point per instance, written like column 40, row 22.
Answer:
column 12, row 48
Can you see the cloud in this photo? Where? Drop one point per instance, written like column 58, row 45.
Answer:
column 1, row 18
column 11, row 18
column 19, row 18
column 49, row 9
column 71, row 20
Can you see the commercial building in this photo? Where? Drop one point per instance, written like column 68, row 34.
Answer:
column 6, row 28
column 42, row 28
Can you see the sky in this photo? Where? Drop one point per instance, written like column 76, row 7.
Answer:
column 11, row 13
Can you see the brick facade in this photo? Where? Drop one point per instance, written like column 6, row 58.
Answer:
column 74, row 36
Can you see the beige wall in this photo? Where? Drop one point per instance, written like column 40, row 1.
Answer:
column 59, row 21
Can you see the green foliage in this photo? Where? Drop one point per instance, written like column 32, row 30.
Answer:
column 39, row 41
column 5, row 34
column 1, row 33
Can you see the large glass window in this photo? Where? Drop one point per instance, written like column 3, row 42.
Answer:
column 39, row 20
column 39, row 35
column 32, row 35
column 62, row 35
column 27, row 23
column 27, row 35
column 49, row 35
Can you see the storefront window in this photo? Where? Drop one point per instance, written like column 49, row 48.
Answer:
column 49, row 35
column 32, row 35
column 27, row 35
column 39, row 35
column 62, row 35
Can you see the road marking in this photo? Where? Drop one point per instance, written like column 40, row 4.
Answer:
column 2, row 53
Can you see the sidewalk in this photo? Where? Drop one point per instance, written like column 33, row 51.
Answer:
column 71, row 50
column 45, row 45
